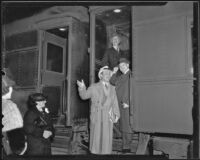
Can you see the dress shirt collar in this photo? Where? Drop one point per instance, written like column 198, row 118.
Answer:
column 116, row 48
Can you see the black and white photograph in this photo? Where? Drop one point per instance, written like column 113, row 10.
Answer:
column 100, row 80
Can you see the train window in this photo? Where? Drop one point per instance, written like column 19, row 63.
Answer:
column 23, row 67
column 54, row 58
column 21, row 40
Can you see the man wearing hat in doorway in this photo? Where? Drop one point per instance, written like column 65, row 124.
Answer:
column 104, row 111
column 123, row 85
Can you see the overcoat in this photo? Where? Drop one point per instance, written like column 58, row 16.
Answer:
column 35, row 122
column 101, row 127
column 124, row 88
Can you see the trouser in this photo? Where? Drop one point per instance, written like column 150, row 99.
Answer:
column 126, row 140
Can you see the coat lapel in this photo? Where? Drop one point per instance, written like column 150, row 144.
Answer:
column 122, row 79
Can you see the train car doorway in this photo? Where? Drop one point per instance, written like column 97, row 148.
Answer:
column 108, row 21
column 53, row 70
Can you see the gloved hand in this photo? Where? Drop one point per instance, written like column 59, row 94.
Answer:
column 125, row 105
column 47, row 134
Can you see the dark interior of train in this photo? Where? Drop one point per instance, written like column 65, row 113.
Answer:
column 117, row 20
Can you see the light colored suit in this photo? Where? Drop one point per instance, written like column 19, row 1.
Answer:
column 101, row 127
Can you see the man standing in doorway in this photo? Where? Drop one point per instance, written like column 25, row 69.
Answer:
column 123, row 85
column 113, row 54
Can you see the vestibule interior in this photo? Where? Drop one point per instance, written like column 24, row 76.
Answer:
column 116, row 20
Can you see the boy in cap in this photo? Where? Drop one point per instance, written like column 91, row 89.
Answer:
column 123, row 90
column 104, row 111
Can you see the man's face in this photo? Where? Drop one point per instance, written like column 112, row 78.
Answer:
column 106, row 74
column 115, row 41
column 40, row 105
column 123, row 67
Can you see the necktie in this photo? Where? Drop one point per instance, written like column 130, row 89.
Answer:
column 106, row 85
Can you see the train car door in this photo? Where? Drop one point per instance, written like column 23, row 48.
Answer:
column 163, row 70
column 53, row 73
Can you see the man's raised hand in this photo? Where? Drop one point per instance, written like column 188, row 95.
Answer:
column 81, row 83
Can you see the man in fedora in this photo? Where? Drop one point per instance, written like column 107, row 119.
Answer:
column 124, row 85
column 104, row 111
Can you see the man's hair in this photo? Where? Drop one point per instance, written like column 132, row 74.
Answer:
column 115, row 35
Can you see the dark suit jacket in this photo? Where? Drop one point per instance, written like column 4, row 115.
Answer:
column 111, row 57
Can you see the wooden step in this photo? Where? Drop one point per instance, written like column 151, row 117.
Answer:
column 142, row 144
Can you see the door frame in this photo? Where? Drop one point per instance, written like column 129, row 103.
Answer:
column 50, row 78
column 93, row 10
column 44, row 25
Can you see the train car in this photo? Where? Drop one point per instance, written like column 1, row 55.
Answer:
column 48, row 51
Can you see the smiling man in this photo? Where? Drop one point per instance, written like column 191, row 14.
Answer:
column 104, row 111
column 122, row 84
